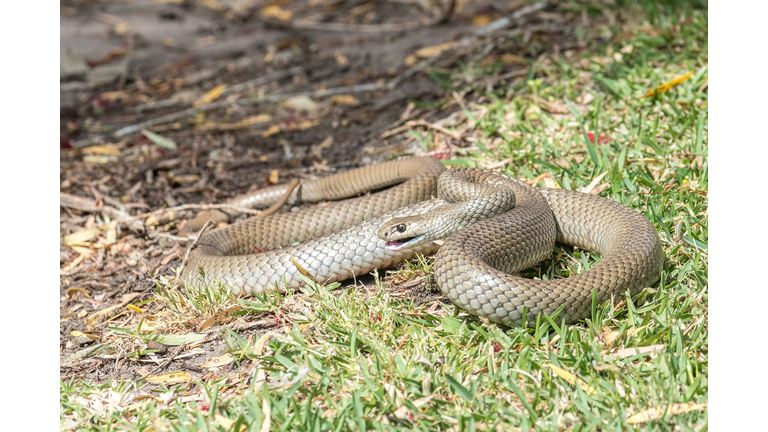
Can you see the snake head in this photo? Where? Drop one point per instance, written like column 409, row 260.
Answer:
column 404, row 232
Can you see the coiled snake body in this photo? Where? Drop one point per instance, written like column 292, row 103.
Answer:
column 489, row 241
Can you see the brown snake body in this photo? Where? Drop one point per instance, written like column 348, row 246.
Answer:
column 341, row 240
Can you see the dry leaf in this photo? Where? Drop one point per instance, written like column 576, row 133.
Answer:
column 634, row 332
column 668, row 85
column 599, row 189
column 266, row 424
column 629, row 352
column 481, row 20
column 211, row 96
column 105, row 150
column 143, row 400
column 300, row 103
column 340, row 58
column 81, row 236
column 327, row 142
column 212, row 4
column 218, row 318
column 261, row 118
column 554, row 107
column 218, row 361
column 593, row 183
column 344, row 100
column 72, row 291
column 170, row 378
column 434, row 50
column 276, row 12
column 258, row 347
column 159, row 139
column 512, row 59
column 110, row 234
column 302, row 270
column 274, row 176
column 610, row 337
column 242, row 124
column 551, row 183
column 227, row 423
column 571, row 378
column 77, row 333
column 122, row 28
column 82, row 250
column 271, row 131
column 538, row 178
column 402, row 412
column 73, row 264
column 658, row 412
column 584, row 99
column 306, row 124
column 97, row 317
column 96, row 159
column 125, row 96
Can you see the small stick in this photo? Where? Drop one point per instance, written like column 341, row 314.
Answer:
column 507, row 20
column 200, row 233
column 360, row 28
column 262, row 80
column 276, row 206
column 500, row 164
column 169, row 360
column 402, row 342
column 192, row 206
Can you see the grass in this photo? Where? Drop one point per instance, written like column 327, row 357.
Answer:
column 356, row 360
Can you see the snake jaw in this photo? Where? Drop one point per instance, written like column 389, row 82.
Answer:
column 403, row 243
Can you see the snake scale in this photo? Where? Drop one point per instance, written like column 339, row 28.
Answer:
column 495, row 225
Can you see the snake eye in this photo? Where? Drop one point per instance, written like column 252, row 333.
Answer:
column 400, row 228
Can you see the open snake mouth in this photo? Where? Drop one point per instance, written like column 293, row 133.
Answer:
column 402, row 243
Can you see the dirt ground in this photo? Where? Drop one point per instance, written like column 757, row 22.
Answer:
column 127, row 62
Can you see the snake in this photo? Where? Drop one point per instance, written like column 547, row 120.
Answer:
column 483, row 226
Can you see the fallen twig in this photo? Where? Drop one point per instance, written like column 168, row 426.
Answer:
column 199, row 235
column 327, row 92
column 262, row 80
column 169, row 360
column 168, row 118
column 83, row 204
column 194, row 207
column 506, row 21
column 221, row 216
column 276, row 206
column 358, row 28
column 500, row 164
